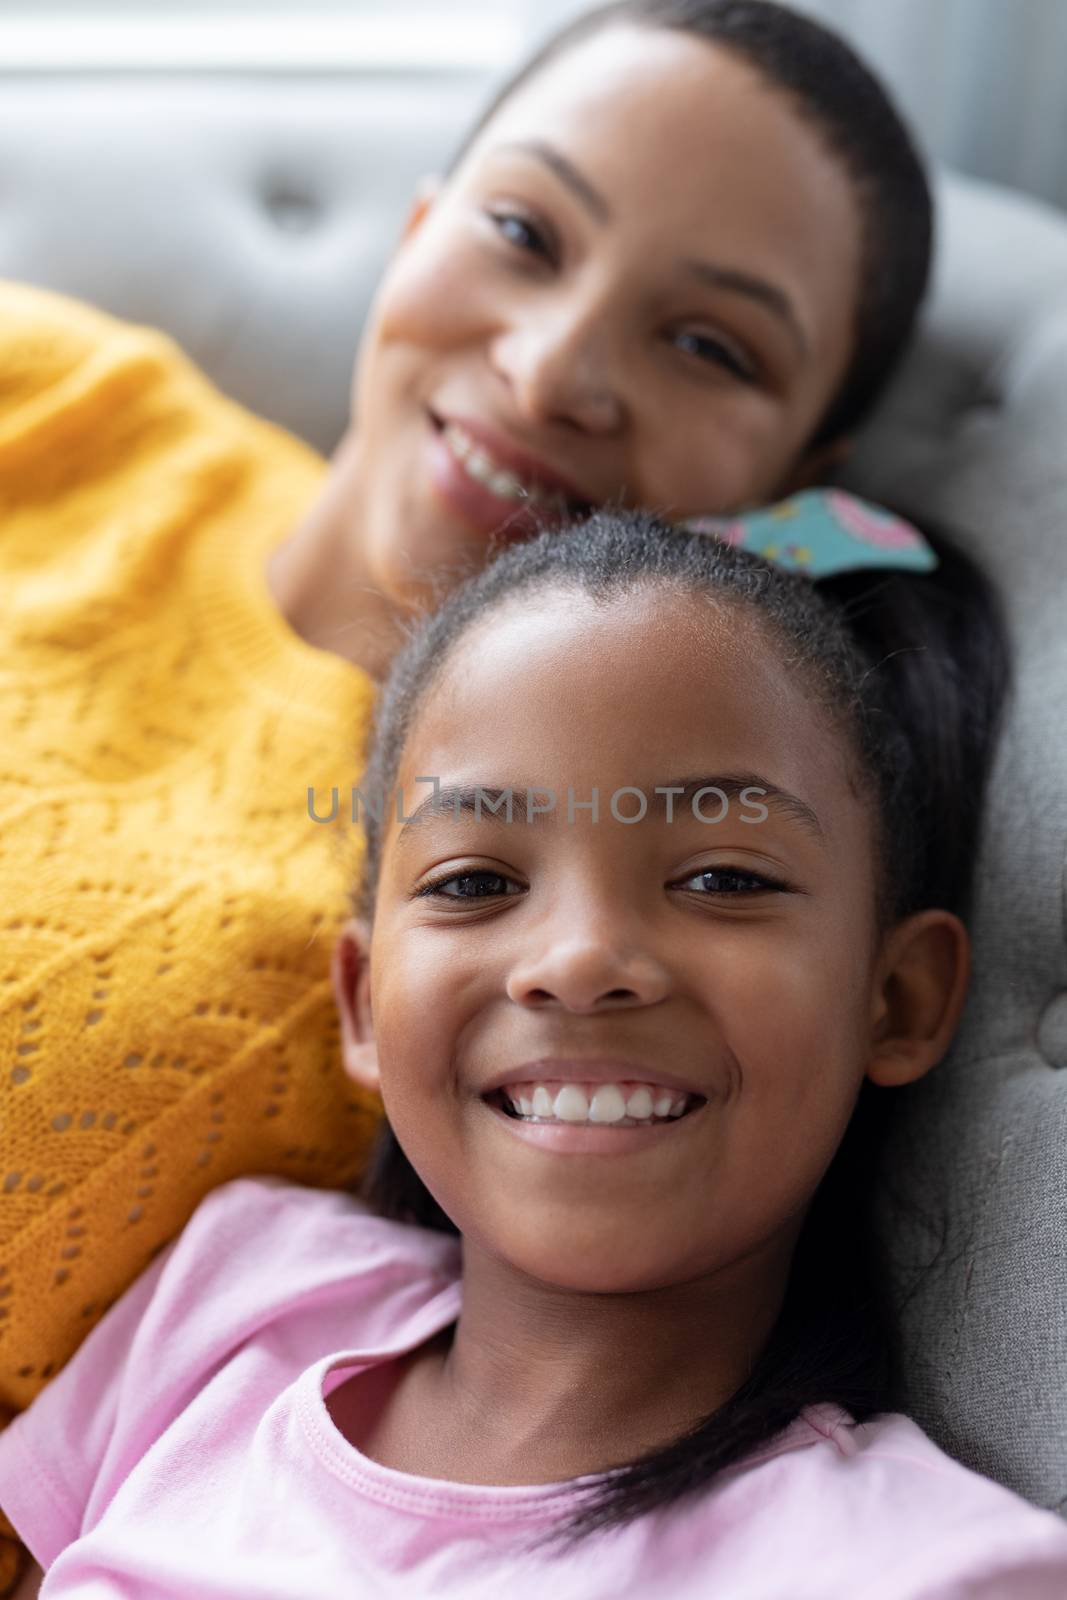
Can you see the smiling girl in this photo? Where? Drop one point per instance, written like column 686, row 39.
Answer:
column 609, row 1316
column 672, row 267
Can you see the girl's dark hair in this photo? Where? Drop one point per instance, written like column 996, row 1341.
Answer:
column 846, row 104
column 911, row 670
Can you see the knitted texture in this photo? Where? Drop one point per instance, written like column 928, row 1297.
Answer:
column 167, row 906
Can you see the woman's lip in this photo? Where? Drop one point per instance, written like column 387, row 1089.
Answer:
column 529, row 467
column 489, row 513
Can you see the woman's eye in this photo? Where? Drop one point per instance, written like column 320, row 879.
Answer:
column 521, row 232
column 714, row 351
column 729, row 880
column 480, row 885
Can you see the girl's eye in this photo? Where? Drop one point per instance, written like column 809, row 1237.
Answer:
column 715, row 351
column 521, row 232
column 730, row 880
column 477, row 885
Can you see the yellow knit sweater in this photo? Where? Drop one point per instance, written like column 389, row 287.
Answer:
column 167, row 907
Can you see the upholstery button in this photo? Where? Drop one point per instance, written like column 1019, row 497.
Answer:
column 1052, row 1032
column 292, row 209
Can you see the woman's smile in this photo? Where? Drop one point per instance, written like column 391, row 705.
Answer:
column 494, row 485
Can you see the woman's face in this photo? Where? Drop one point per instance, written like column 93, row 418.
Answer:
column 639, row 287
column 731, row 951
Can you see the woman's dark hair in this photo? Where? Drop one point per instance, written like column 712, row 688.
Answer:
column 846, row 104
column 911, row 670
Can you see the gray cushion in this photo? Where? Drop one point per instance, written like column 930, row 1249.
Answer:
column 975, row 433
column 250, row 219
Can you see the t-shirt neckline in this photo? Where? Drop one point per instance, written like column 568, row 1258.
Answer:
column 439, row 1497
column 405, row 1491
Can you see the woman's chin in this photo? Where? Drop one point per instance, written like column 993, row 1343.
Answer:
column 425, row 569
column 414, row 592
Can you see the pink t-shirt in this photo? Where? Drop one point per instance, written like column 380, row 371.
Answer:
column 186, row 1450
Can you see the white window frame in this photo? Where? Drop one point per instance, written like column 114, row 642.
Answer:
column 416, row 37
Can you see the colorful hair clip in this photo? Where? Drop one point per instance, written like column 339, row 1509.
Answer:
column 822, row 532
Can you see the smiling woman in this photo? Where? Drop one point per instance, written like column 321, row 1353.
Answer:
column 562, row 328
column 613, row 329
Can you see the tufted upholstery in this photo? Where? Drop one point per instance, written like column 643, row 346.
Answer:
column 975, row 433
column 250, row 219
column 247, row 219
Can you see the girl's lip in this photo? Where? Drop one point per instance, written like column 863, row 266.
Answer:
column 489, row 513
column 561, row 1138
column 590, row 1069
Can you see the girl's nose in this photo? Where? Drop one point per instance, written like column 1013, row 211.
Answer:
column 584, row 974
column 557, row 370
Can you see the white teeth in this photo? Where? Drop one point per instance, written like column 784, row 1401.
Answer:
column 480, row 466
column 458, row 442
column 604, row 1102
column 507, row 484
column 640, row 1104
column 542, row 1102
column 571, row 1104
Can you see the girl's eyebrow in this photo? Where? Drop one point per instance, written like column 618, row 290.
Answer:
column 769, row 295
column 490, row 802
column 734, row 786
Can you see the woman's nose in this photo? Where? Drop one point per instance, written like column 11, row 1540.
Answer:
column 557, row 369
column 585, row 974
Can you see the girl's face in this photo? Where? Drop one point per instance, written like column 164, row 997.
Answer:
column 639, row 287
column 738, row 957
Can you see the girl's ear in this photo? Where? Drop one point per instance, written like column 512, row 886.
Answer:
column 350, row 972
column 426, row 191
column 918, row 995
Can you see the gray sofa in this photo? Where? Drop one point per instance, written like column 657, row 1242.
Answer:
column 250, row 218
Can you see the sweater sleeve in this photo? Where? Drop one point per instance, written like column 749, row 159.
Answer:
column 50, row 349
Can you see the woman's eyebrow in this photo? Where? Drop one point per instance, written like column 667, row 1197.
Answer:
column 591, row 198
column 769, row 295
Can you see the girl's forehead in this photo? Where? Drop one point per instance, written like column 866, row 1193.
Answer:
column 628, row 690
column 558, row 706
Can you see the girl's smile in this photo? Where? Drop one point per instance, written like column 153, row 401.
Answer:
column 657, row 947
column 581, row 1137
